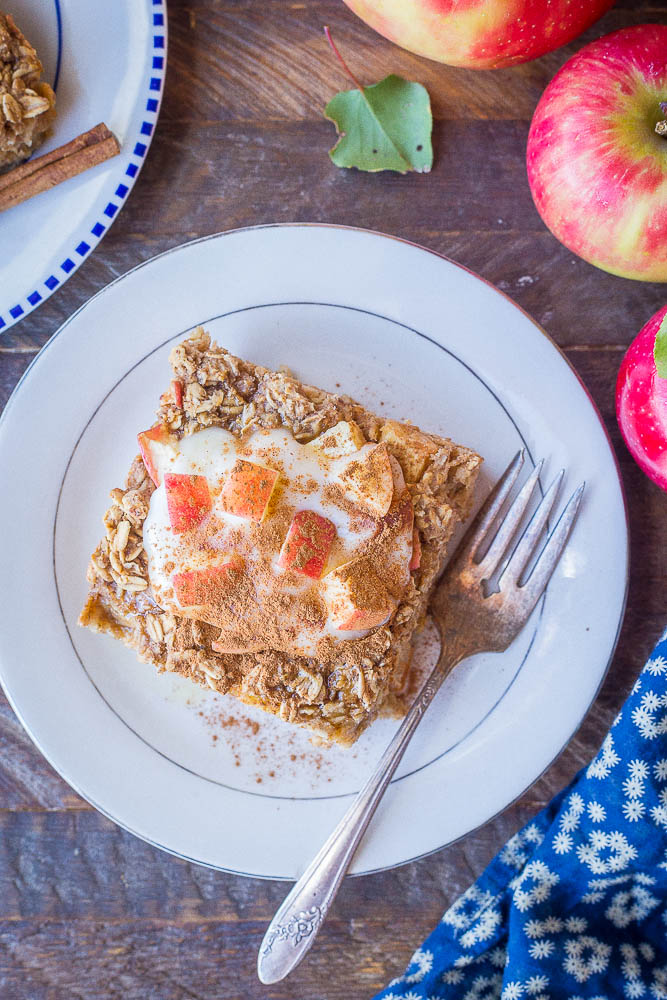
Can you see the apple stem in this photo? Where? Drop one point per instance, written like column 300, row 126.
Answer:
column 342, row 61
column 661, row 127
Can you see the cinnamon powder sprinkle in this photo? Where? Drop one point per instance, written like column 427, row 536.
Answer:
column 244, row 738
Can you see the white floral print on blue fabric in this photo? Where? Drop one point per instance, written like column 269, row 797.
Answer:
column 574, row 907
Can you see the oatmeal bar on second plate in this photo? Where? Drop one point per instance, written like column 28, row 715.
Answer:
column 27, row 103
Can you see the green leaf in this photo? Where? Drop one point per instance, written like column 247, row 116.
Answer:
column 386, row 126
column 660, row 349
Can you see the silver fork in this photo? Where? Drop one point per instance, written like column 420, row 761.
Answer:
column 471, row 618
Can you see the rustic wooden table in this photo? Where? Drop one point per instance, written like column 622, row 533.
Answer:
column 88, row 911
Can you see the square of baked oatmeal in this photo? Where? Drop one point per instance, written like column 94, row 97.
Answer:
column 278, row 542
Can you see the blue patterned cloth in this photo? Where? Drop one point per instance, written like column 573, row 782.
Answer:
column 574, row 907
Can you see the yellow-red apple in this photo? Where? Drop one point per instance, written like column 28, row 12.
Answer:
column 597, row 166
column 481, row 34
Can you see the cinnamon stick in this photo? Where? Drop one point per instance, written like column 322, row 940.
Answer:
column 44, row 172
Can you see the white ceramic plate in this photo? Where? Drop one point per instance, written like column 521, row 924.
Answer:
column 107, row 63
column 408, row 333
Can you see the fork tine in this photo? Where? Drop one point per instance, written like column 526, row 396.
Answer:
column 491, row 507
column 509, row 525
column 521, row 556
column 551, row 553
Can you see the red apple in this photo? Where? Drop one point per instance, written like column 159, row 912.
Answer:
column 597, row 168
column 641, row 403
column 188, row 500
column 481, row 34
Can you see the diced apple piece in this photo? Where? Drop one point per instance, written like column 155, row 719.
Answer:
column 188, row 500
column 356, row 597
column 177, row 392
column 173, row 395
column 416, row 560
column 401, row 515
column 247, row 490
column 397, row 475
column 343, row 439
column 308, row 543
column 396, row 541
column 202, row 586
column 157, row 446
column 370, row 480
column 413, row 449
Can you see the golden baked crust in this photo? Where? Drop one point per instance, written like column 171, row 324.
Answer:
column 27, row 103
column 337, row 699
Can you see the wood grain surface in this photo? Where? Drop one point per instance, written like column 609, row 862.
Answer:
column 88, row 911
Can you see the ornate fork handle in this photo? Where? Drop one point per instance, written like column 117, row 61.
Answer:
column 297, row 922
column 470, row 621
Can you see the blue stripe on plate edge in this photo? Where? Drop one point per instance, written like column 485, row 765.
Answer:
column 146, row 128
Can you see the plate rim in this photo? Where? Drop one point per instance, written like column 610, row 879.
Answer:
column 600, row 421
column 109, row 208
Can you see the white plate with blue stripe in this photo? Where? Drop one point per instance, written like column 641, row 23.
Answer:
column 106, row 62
